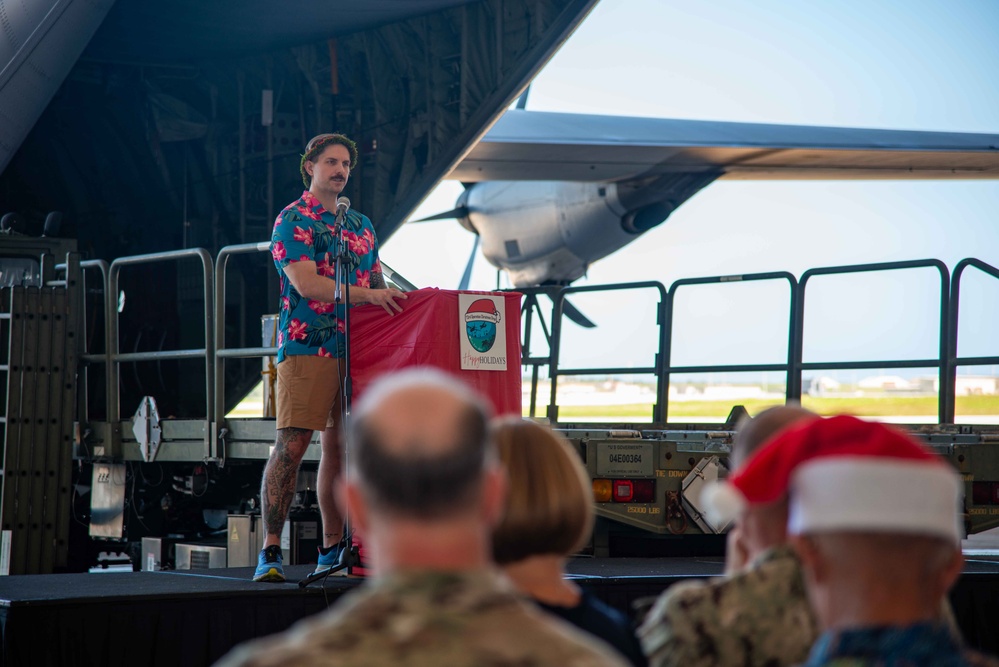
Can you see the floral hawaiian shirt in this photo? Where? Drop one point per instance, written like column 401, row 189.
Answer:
column 303, row 231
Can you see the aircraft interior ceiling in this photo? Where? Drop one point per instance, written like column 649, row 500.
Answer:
column 161, row 136
column 192, row 31
column 157, row 137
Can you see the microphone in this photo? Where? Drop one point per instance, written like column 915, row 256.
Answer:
column 342, row 206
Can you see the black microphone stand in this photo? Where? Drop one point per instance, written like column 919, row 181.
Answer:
column 348, row 557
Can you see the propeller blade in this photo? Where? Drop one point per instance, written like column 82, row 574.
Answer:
column 459, row 212
column 570, row 310
column 575, row 315
column 522, row 100
column 467, row 276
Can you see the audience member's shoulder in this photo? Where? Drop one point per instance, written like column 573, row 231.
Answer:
column 685, row 596
column 473, row 620
column 674, row 630
column 778, row 569
column 600, row 620
column 760, row 612
column 538, row 638
column 376, row 630
column 776, row 572
column 781, row 558
column 342, row 629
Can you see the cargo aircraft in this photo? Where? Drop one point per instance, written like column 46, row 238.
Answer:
column 547, row 194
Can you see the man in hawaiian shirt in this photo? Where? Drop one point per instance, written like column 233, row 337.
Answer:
column 311, row 344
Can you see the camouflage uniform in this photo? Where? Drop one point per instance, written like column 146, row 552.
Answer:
column 425, row 618
column 754, row 618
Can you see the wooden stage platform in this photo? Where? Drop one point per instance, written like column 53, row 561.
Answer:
column 193, row 617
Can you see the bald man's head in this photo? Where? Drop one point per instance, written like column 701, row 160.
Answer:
column 419, row 446
column 764, row 427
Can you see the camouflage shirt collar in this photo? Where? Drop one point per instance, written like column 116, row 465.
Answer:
column 463, row 588
column 773, row 554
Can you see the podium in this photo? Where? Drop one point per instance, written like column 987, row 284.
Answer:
column 461, row 333
column 446, row 329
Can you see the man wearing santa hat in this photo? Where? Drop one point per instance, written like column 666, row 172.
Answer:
column 874, row 517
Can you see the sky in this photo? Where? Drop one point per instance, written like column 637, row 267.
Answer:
column 888, row 64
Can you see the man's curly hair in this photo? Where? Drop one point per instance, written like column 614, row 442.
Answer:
column 318, row 144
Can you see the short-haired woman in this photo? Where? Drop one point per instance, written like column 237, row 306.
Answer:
column 548, row 517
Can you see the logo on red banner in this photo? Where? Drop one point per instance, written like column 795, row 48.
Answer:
column 483, row 341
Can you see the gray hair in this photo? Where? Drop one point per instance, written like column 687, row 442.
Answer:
column 417, row 480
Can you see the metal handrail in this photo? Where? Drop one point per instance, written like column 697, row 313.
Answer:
column 528, row 308
column 946, row 363
column 658, row 410
column 105, row 357
column 221, row 352
column 953, row 361
column 215, row 351
column 668, row 368
column 116, row 358
column 940, row 362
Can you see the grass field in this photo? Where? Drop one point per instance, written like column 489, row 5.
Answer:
column 897, row 406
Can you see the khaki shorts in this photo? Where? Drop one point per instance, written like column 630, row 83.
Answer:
column 308, row 392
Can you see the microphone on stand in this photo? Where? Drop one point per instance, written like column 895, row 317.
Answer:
column 342, row 206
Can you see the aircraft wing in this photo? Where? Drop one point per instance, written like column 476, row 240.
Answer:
column 533, row 145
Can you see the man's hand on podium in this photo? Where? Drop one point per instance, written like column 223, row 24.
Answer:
column 386, row 298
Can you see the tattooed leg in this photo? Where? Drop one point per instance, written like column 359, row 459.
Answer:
column 280, row 479
column 329, row 470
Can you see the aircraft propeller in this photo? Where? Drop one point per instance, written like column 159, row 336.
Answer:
column 569, row 310
column 455, row 213
column 550, row 291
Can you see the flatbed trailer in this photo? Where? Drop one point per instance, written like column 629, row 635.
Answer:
column 96, row 460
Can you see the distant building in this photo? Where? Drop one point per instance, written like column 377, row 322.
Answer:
column 966, row 385
column 887, row 383
column 976, row 385
column 683, row 391
column 820, row 386
column 726, row 392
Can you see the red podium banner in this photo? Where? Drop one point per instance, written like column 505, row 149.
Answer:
column 431, row 330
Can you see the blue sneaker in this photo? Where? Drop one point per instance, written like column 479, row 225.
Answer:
column 269, row 567
column 327, row 558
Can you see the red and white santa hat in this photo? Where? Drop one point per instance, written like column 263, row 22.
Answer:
column 843, row 473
